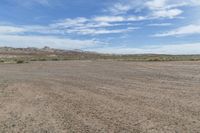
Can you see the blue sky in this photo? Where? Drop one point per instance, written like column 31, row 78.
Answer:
column 107, row 26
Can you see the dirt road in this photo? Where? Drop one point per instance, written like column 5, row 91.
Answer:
column 100, row 96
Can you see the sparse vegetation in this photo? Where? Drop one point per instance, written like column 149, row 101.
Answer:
column 11, row 55
column 20, row 61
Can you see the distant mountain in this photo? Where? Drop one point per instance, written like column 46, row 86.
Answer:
column 33, row 50
column 9, row 54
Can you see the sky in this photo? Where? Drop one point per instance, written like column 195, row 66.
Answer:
column 105, row 26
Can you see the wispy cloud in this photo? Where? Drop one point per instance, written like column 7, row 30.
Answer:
column 78, row 26
column 126, row 21
column 109, row 19
column 95, row 26
column 117, row 22
column 121, row 7
column 100, row 31
column 171, row 13
column 11, row 30
column 160, row 24
column 40, row 36
column 41, row 41
column 185, row 30
column 157, row 8
column 176, row 49
column 115, row 19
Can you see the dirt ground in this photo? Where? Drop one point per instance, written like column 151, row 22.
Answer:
column 100, row 96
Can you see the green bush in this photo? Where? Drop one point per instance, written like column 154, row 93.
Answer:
column 20, row 61
column 42, row 59
column 55, row 59
column 155, row 59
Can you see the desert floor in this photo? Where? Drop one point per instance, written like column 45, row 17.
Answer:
column 100, row 96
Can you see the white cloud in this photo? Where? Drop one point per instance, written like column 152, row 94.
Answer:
column 137, row 18
column 170, row 4
column 185, row 30
column 176, row 49
column 120, row 8
column 80, row 26
column 171, row 13
column 156, row 4
column 157, row 8
column 165, row 8
column 40, row 36
column 113, row 23
column 97, row 25
column 124, row 6
column 100, row 31
column 115, row 19
column 109, row 19
column 41, row 41
column 160, row 24
column 10, row 29
column 80, row 21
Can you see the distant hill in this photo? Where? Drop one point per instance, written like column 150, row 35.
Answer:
column 45, row 50
column 9, row 54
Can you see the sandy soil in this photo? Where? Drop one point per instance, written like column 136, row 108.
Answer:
column 100, row 96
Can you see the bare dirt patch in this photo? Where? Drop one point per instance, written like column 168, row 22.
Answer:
column 100, row 96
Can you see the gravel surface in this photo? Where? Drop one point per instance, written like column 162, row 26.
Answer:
column 100, row 96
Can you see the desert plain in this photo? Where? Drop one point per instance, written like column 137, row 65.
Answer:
column 100, row 96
